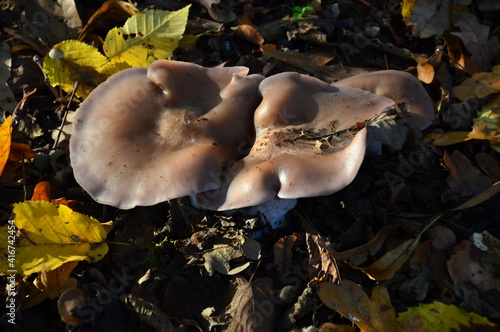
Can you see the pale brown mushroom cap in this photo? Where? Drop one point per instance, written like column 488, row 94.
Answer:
column 398, row 86
column 67, row 305
column 148, row 135
column 279, row 164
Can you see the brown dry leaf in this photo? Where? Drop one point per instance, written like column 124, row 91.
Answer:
column 456, row 51
column 219, row 11
column 219, row 259
column 464, row 179
column 50, row 284
column 349, row 300
column 472, row 269
column 479, row 85
column 149, row 313
column 488, row 165
column 282, row 251
column 425, row 70
column 313, row 62
column 321, row 261
column 248, row 29
column 20, row 152
column 361, row 254
column 476, row 38
column 330, row 327
column 430, row 17
column 251, row 307
column 52, row 21
column 385, row 267
column 105, row 18
column 420, row 256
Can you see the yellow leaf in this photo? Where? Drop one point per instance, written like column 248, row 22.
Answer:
column 385, row 267
column 349, row 300
column 72, row 61
column 53, row 235
column 5, row 141
column 479, row 85
column 438, row 316
column 486, row 127
column 146, row 37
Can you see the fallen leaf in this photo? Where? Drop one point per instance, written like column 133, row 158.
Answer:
column 386, row 266
column 476, row 38
column 464, row 179
column 488, row 165
column 486, row 127
column 429, row 17
column 479, row 85
column 50, row 284
column 5, row 142
column 361, row 254
column 248, row 29
column 7, row 101
column 438, row 316
column 425, row 70
column 313, row 62
column 219, row 259
column 149, row 313
column 53, row 235
column 218, row 10
column 147, row 36
column 330, row 327
column 473, row 270
column 282, row 252
column 110, row 11
column 41, row 192
column 20, row 152
column 349, row 300
column 73, row 61
column 52, row 21
column 321, row 261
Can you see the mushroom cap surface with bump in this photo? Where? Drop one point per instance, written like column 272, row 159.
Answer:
column 148, row 135
column 280, row 165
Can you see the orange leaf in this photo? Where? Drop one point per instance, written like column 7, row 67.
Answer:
column 349, row 300
column 249, row 30
column 5, row 141
column 41, row 192
column 20, row 151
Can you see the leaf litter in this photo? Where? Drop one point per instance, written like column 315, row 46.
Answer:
column 361, row 254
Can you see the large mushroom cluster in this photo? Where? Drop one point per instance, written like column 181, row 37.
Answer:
column 234, row 140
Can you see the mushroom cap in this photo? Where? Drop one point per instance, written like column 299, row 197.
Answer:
column 280, row 164
column 400, row 86
column 67, row 303
column 148, row 135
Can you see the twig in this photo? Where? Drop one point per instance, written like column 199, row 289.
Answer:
column 65, row 116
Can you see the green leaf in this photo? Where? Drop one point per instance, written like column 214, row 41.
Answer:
column 52, row 235
column 146, row 37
